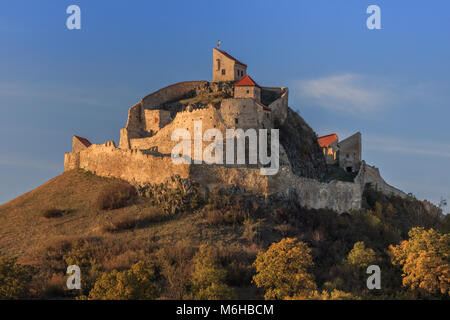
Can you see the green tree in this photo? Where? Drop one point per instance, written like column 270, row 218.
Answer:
column 425, row 261
column 136, row 283
column 208, row 277
column 284, row 270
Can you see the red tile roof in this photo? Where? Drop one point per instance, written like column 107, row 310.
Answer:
column 84, row 141
column 231, row 57
column 325, row 141
column 246, row 81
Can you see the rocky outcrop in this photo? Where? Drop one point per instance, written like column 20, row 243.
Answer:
column 300, row 144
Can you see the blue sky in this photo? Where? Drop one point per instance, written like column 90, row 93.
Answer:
column 392, row 85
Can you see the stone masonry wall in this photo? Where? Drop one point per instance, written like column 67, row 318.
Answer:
column 279, row 107
column 130, row 165
column 369, row 174
column 136, row 117
column 336, row 195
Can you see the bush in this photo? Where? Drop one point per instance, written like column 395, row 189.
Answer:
column 128, row 222
column 13, row 278
column 136, row 283
column 175, row 196
column 52, row 213
column 226, row 217
column 208, row 277
column 176, row 266
column 252, row 231
column 119, row 224
column 115, row 196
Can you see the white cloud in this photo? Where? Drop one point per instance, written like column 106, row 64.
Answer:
column 350, row 93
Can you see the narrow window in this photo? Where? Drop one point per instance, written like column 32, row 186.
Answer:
column 223, row 71
column 248, row 91
column 218, row 64
column 236, row 120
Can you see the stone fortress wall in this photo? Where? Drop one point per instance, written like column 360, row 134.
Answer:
column 139, row 168
column 136, row 114
column 370, row 174
column 143, row 155
column 134, row 166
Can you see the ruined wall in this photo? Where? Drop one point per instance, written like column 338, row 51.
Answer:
column 131, row 165
column 279, row 107
column 210, row 118
column 336, row 195
column 350, row 153
column 78, row 145
column 135, row 127
column 156, row 119
column 369, row 174
column 139, row 168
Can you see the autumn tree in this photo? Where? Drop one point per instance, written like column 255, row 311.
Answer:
column 425, row 261
column 13, row 278
column 283, row 270
column 136, row 283
column 208, row 277
column 360, row 256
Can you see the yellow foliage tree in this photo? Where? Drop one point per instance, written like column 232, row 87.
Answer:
column 136, row 283
column 360, row 256
column 283, row 270
column 208, row 277
column 425, row 261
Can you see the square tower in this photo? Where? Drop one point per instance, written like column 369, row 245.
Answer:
column 226, row 67
column 247, row 88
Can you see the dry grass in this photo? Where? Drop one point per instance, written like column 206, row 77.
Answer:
column 115, row 196
column 111, row 239
column 24, row 233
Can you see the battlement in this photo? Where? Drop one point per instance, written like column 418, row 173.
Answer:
column 144, row 152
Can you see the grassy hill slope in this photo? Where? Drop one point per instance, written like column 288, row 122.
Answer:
column 62, row 223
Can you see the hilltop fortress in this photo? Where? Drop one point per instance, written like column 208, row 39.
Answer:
column 232, row 100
